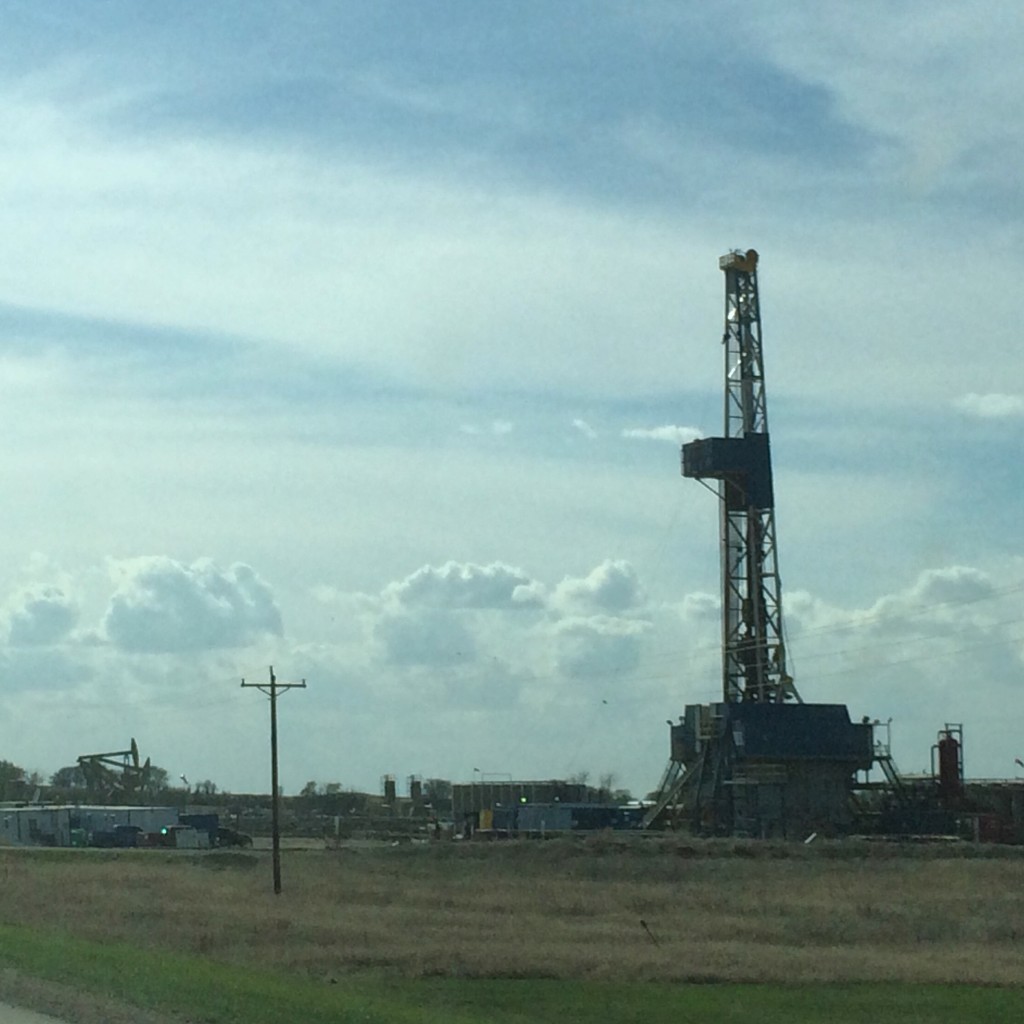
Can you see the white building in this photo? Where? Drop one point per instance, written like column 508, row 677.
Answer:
column 72, row 825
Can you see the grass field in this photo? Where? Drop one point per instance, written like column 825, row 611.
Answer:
column 584, row 930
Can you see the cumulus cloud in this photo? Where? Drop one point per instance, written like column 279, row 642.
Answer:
column 935, row 591
column 674, row 434
column 435, row 615
column 596, row 622
column 163, row 606
column 938, row 599
column 991, row 406
column 952, row 626
column 40, row 617
column 439, row 615
column 463, row 585
column 611, row 588
column 471, row 617
column 428, row 637
column 585, row 428
column 699, row 607
column 598, row 646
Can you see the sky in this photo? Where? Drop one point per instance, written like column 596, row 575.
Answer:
column 359, row 340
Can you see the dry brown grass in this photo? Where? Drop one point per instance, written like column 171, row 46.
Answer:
column 553, row 909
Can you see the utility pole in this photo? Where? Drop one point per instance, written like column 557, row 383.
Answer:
column 271, row 691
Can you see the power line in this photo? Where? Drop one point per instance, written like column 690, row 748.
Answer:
column 923, row 609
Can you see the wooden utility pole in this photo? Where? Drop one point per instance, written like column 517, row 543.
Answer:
column 271, row 691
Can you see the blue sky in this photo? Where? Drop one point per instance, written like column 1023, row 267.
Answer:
column 359, row 339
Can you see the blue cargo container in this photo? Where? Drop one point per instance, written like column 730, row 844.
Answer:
column 542, row 818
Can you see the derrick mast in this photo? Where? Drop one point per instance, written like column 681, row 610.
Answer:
column 761, row 762
column 753, row 652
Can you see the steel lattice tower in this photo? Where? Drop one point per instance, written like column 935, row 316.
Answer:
column 753, row 651
column 760, row 762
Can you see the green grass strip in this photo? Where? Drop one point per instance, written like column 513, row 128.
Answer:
column 216, row 993
column 202, row 989
column 576, row 1002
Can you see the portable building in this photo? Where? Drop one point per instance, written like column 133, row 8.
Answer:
column 73, row 825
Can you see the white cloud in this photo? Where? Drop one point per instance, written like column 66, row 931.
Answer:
column 462, row 585
column 700, row 607
column 163, row 606
column 611, row 588
column 673, row 434
column 585, row 428
column 428, row 637
column 940, row 604
column 463, row 617
column 40, row 617
column 599, row 648
column 947, row 644
column 445, row 616
column 953, row 585
column 991, row 406
column 448, row 652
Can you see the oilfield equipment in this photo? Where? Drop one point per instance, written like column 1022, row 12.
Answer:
column 116, row 776
column 762, row 762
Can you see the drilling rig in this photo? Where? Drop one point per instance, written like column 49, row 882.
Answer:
column 761, row 762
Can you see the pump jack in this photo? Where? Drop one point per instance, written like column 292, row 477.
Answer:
column 116, row 775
